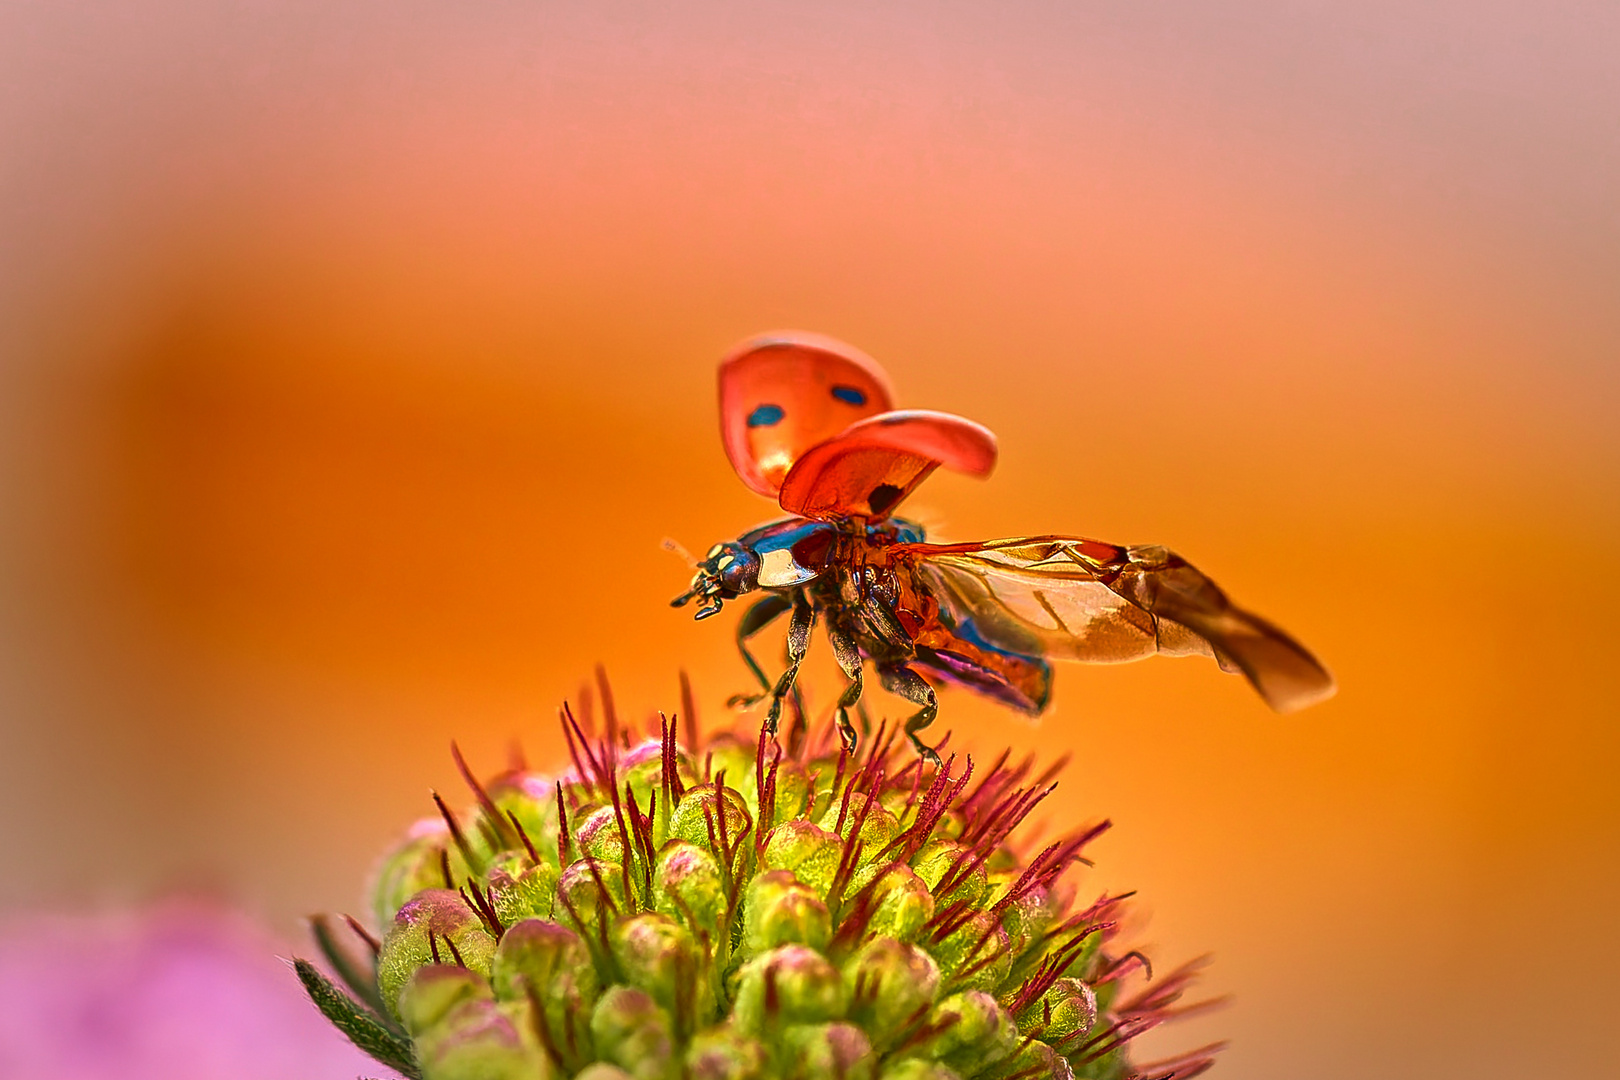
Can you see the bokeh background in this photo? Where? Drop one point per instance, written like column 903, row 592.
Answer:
column 355, row 358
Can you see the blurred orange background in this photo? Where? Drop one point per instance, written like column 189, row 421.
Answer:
column 355, row 359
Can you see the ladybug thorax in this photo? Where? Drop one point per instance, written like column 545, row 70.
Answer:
column 796, row 551
column 791, row 552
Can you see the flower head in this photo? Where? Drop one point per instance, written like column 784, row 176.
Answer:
column 728, row 908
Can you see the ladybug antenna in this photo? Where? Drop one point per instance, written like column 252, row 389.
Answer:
column 675, row 548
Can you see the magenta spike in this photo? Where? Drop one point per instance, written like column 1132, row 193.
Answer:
column 491, row 812
column 364, row 935
column 610, row 715
column 564, row 855
column 689, row 708
column 541, row 1024
column 456, row 834
column 528, row 845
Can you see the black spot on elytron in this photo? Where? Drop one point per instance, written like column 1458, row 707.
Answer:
column 849, row 394
column 766, row 416
column 883, row 496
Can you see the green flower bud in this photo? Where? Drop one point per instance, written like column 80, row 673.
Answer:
column 590, row 893
column 532, row 799
column 974, row 955
column 432, row 992
column 780, row 911
column 598, row 836
column 411, row 867
column 915, row 1069
column 520, row 891
column 659, row 955
column 1033, row 1058
column 899, row 900
column 631, row 1031
column 1068, row 1008
column 697, row 814
column 942, row 858
column 460, row 1033
column 788, row 985
column 974, row 1032
column 724, row 1054
column 877, row 830
column 688, row 888
column 891, row 985
column 810, row 852
column 434, row 927
column 602, row 1071
column 812, row 1051
column 547, row 960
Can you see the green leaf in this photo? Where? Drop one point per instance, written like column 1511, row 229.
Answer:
column 362, row 1028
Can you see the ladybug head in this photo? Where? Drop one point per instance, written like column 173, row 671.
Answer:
column 727, row 572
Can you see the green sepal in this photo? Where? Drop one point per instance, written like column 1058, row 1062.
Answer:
column 361, row 1027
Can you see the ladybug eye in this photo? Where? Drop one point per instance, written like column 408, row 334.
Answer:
column 766, row 416
column 738, row 570
column 850, row 395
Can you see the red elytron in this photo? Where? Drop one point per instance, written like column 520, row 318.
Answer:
column 808, row 421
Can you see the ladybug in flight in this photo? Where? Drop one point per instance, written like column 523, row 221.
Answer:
column 808, row 421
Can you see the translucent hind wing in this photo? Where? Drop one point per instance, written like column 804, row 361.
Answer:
column 1071, row 598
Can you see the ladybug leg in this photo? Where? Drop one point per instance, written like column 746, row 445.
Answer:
column 759, row 615
column 849, row 660
column 900, row 679
column 798, row 643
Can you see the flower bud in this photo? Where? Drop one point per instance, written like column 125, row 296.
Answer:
column 460, row 1033
column 1068, row 1008
column 810, row 852
column 755, row 926
column 433, row 991
column 520, row 891
column 697, row 814
column 917, row 1069
column 659, row 955
column 532, row 799
column 434, row 927
column 788, row 985
column 780, row 911
column 890, row 985
column 1034, row 1058
column 975, row 954
column 631, row 1031
column 687, row 887
column 598, row 835
column 603, row 1071
column 589, row 894
column 818, row 1050
column 942, row 859
column 411, row 867
column 722, row 1053
column 547, row 960
column 973, row 1032
column 898, row 900
column 877, row 830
